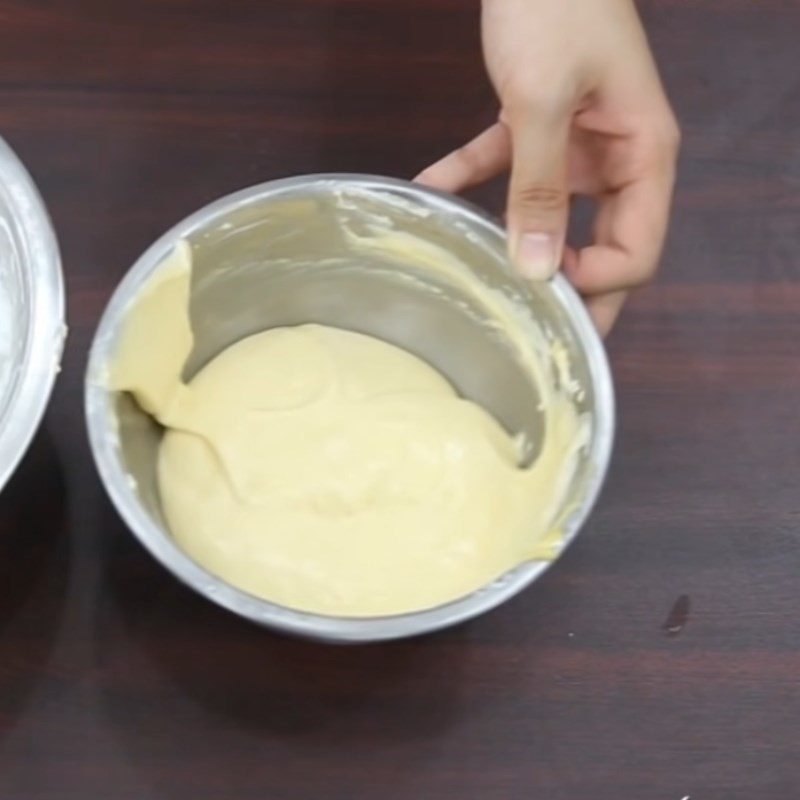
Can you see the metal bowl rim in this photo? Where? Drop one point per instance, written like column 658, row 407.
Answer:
column 45, row 332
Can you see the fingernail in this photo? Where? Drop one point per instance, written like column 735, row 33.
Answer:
column 536, row 256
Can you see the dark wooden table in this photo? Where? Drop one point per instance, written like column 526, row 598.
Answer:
column 116, row 682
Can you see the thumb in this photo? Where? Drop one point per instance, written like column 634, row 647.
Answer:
column 538, row 196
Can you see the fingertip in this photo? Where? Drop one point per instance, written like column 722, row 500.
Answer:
column 599, row 269
column 536, row 255
column 485, row 156
column 604, row 310
column 437, row 175
column 431, row 177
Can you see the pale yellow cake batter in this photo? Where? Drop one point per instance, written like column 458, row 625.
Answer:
column 332, row 472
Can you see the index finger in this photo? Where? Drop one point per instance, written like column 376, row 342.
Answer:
column 485, row 156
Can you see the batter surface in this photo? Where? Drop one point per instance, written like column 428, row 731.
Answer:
column 332, row 472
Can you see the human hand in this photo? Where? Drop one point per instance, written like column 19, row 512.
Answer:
column 582, row 112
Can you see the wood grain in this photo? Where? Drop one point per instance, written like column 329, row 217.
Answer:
column 116, row 682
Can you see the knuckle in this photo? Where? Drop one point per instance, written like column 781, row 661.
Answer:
column 545, row 98
column 549, row 198
column 646, row 273
column 670, row 135
column 665, row 138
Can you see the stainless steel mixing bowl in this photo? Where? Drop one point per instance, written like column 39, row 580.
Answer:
column 275, row 255
column 31, row 310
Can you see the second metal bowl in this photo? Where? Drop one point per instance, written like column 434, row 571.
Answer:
column 32, row 327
